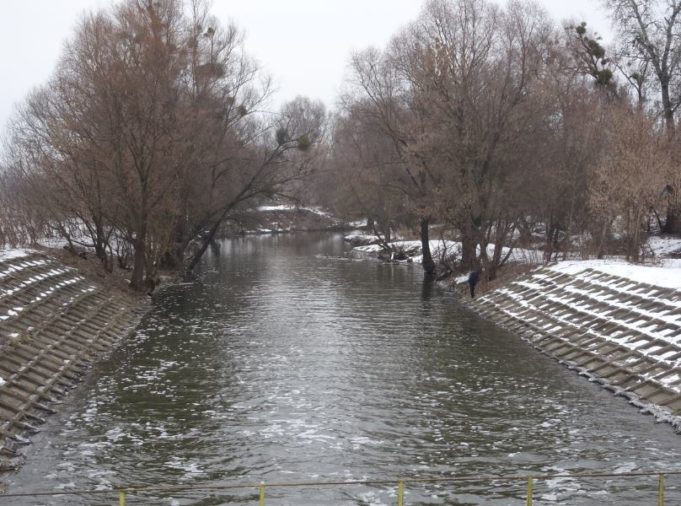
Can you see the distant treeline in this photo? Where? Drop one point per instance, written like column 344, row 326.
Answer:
column 490, row 121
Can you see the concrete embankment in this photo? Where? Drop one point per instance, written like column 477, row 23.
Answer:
column 54, row 323
column 619, row 333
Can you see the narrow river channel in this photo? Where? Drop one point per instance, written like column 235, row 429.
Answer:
column 287, row 363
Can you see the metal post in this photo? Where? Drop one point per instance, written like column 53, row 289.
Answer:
column 262, row 494
column 660, row 490
column 400, row 493
column 121, row 498
column 529, row 491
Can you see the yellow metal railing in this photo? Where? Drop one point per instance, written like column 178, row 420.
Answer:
column 529, row 491
column 400, row 484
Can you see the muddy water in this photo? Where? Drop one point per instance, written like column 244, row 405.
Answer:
column 286, row 363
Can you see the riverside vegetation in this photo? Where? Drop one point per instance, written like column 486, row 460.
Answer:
column 495, row 122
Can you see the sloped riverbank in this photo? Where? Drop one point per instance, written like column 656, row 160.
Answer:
column 623, row 334
column 54, row 323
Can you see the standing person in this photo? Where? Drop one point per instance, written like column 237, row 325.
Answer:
column 473, row 279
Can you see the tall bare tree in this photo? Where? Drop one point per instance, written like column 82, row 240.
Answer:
column 650, row 33
column 151, row 132
column 633, row 167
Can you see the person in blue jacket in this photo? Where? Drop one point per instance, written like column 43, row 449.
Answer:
column 473, row 279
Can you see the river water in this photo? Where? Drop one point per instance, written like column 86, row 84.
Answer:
column 285, row 362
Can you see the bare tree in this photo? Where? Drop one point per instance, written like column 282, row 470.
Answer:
column 626, row 184
column 487, row 68
column 151, row 132
column 367, row 172
column 650, row 34
column 650, row 40
column 394, row 103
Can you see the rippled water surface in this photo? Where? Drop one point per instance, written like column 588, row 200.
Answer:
column 286, row 363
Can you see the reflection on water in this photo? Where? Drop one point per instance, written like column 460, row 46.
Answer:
column 288, row 363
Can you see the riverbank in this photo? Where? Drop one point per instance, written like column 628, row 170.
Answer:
column 615, row 323
column 56, row 320
column 281, row 218
column 606, row 323
column 284, row 363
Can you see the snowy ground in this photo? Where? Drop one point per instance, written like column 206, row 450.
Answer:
column 439, row 248
column 9, row 254
column 413, row 249
column 287, row 207
column 359, row 238
column 665, row 273
column 665, row 246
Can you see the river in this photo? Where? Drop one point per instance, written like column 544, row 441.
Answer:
column 285, row 362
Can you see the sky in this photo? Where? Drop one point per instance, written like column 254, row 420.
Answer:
column 303, row 44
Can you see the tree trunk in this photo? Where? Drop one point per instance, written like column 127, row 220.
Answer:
column 496, row 261
column 137, row 276
column 603, row 238
column 386, row 233
column 468, row 246
column 428, row 264
column 672, row 223
column 204, row 245
column 101, row 248
column 668, row 109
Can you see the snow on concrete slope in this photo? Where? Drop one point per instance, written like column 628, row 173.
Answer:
column 619, row 324
column 53, row 323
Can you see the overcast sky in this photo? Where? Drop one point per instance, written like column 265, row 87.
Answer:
column 303, row 44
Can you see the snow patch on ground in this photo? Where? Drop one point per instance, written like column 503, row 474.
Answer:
column 9, row 254
column 436, row 247
column 282, row 207
column 667, row 275
column 53, row 242
column 359, row 223
column 288, row 207
column 440, row 248
column 413, row 249
column 318, row 210
column 665, row 245
column 361, row 238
